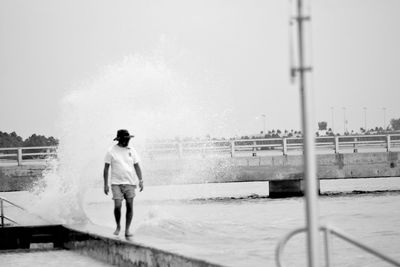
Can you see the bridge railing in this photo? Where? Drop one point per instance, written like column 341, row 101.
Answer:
column 232, row 148
column 329, row 144
column 26, row 154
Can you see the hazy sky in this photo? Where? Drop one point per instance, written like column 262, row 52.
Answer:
column 235, row 51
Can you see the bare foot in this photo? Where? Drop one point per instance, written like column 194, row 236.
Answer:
column 128, row 234
column 116, row 232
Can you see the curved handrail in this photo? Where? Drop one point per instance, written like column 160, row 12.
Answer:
column 330, row 230
column 283, row 242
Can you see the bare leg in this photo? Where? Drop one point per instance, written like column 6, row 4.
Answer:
column 129, row 215
column 117, row 215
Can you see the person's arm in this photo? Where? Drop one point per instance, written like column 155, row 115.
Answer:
column 139, row 175
column 105, row 176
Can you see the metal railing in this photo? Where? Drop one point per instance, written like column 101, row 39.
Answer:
column 328, row 231
column 21, row 154
column 335, row 144
column 232, row 148
column 4, row 217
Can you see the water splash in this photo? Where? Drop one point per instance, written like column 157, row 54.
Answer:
column 143, row 95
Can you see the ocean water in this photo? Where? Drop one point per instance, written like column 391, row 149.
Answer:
column 235, row 224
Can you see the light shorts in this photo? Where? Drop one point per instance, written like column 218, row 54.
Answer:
column 123, row 191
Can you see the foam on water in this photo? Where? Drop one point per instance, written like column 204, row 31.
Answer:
column 143, row 95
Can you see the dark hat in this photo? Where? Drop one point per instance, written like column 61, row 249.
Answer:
column 122, row 133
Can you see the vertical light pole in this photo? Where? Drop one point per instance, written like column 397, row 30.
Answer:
column 333, row 121
column 303, row 71
column 384, row 119
column 365, row 118
column 264, row 122
column 344, row 120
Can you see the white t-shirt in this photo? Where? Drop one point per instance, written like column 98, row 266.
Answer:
column 121, row 160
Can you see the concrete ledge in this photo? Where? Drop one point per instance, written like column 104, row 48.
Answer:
column 105, row 248
column 121, row 253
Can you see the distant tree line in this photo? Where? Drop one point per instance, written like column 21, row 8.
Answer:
column 14, row 140
column 323, row 130
column 394, row 126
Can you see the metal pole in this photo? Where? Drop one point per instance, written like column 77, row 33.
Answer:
column 309, row 146
column 365, row 119
column 333, row 121
column 344, row 121
column 264, row 122
column 384, row 119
